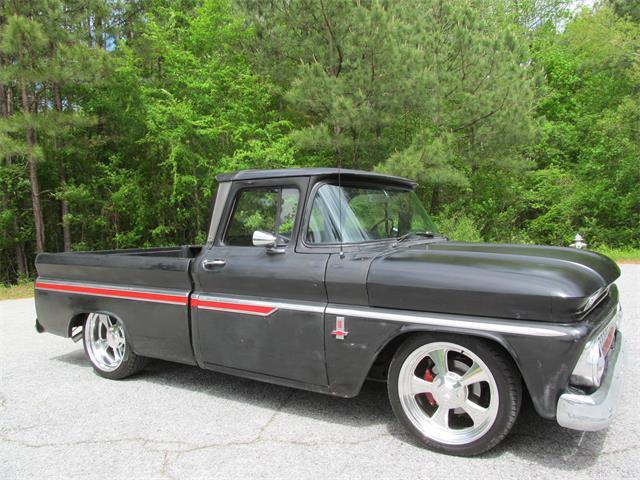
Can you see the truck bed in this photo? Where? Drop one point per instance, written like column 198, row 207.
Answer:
column 150, row 286
column 166, row 267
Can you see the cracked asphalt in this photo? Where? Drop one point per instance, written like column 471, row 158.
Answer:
column 60, row 420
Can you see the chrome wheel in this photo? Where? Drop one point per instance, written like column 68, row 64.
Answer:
column 105, row 341
column 448, row 393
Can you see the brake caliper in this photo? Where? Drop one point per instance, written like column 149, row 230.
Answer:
column 428, row 376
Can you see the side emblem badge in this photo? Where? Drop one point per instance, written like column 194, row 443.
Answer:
column 340, row 332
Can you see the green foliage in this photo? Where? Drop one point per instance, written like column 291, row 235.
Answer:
column 550, row 200
column 422, row 89
column 589, row 153
column 520, row 120
column 626, row 8
column 205, row 112
column 458, row 226
column 621, row 255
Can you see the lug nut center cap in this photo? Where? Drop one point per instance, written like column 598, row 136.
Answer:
column 113, row 339
column 450, row 392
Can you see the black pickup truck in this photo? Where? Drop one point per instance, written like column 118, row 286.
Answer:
column 321, row 278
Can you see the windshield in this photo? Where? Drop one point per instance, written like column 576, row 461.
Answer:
column 354, row 214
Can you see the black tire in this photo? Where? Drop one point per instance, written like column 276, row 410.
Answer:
column 129, row 365
column 507, row 379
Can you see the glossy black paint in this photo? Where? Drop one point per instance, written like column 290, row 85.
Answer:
column 512, row 284
column 316, row 173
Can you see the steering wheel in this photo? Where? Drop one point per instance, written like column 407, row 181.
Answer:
column 388, row 225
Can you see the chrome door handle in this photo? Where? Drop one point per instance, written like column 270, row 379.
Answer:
column 211, row 264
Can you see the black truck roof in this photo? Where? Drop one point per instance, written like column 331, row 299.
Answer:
column 314, row 172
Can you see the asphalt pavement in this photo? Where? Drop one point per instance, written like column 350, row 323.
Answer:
column 60, row 420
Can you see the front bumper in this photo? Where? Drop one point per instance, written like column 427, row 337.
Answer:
column 594, row 412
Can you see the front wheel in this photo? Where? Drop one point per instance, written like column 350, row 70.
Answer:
column 106, row 346
column 457, row 395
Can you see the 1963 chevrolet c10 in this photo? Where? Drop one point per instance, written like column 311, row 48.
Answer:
column 319, row 278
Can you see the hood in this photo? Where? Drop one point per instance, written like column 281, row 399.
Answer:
column 509, row 281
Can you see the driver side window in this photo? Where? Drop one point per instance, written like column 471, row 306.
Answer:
column 271, row 210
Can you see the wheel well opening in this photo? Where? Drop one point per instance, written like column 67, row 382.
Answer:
column 76, row 324
column 380, row 368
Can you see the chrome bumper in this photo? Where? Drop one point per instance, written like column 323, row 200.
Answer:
column 594, row 412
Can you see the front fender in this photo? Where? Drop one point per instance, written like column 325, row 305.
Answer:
column 545, row 354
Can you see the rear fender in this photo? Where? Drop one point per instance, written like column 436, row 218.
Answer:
column 79, row 320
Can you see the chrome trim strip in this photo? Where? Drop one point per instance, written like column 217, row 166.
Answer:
column 300, row 307
column 231, row 310
column 168, row 302
column 604, row 329
column 401, row 316
column 218, row 207
column 123, row 288
column 162, row 291
column 456, row 321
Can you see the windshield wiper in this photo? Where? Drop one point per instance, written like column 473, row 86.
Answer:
column 407, row 235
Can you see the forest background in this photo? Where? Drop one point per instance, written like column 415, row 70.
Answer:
column 520, row 119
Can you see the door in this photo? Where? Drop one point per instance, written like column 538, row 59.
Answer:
column 261, row 309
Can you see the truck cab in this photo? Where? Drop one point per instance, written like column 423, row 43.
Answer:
column 271, row 240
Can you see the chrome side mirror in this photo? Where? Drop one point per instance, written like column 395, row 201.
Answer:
column 268, row 240
column 264, row 239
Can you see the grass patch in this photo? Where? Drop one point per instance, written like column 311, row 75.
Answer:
column 21, row 290
column 621, row 255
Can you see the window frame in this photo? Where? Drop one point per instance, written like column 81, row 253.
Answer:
column 275, row 184
column 305, row 245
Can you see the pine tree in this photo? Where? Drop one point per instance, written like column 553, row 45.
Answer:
column 23, row 43
column 43, row 53
column 435, row 90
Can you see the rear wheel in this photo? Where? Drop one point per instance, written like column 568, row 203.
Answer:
column 106, row 346
column 457, row 395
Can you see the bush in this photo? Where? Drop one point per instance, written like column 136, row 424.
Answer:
column 458, row 226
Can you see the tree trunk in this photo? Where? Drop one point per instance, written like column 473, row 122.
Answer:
column 6, row 107
column 21, row 261
column 435, row 200
column 33, row 176
column 90, row 31
column 354, row 155
column 100, row 37
column 64, row 209
column 336, row 131
column 64, row 205
column 35, row 198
